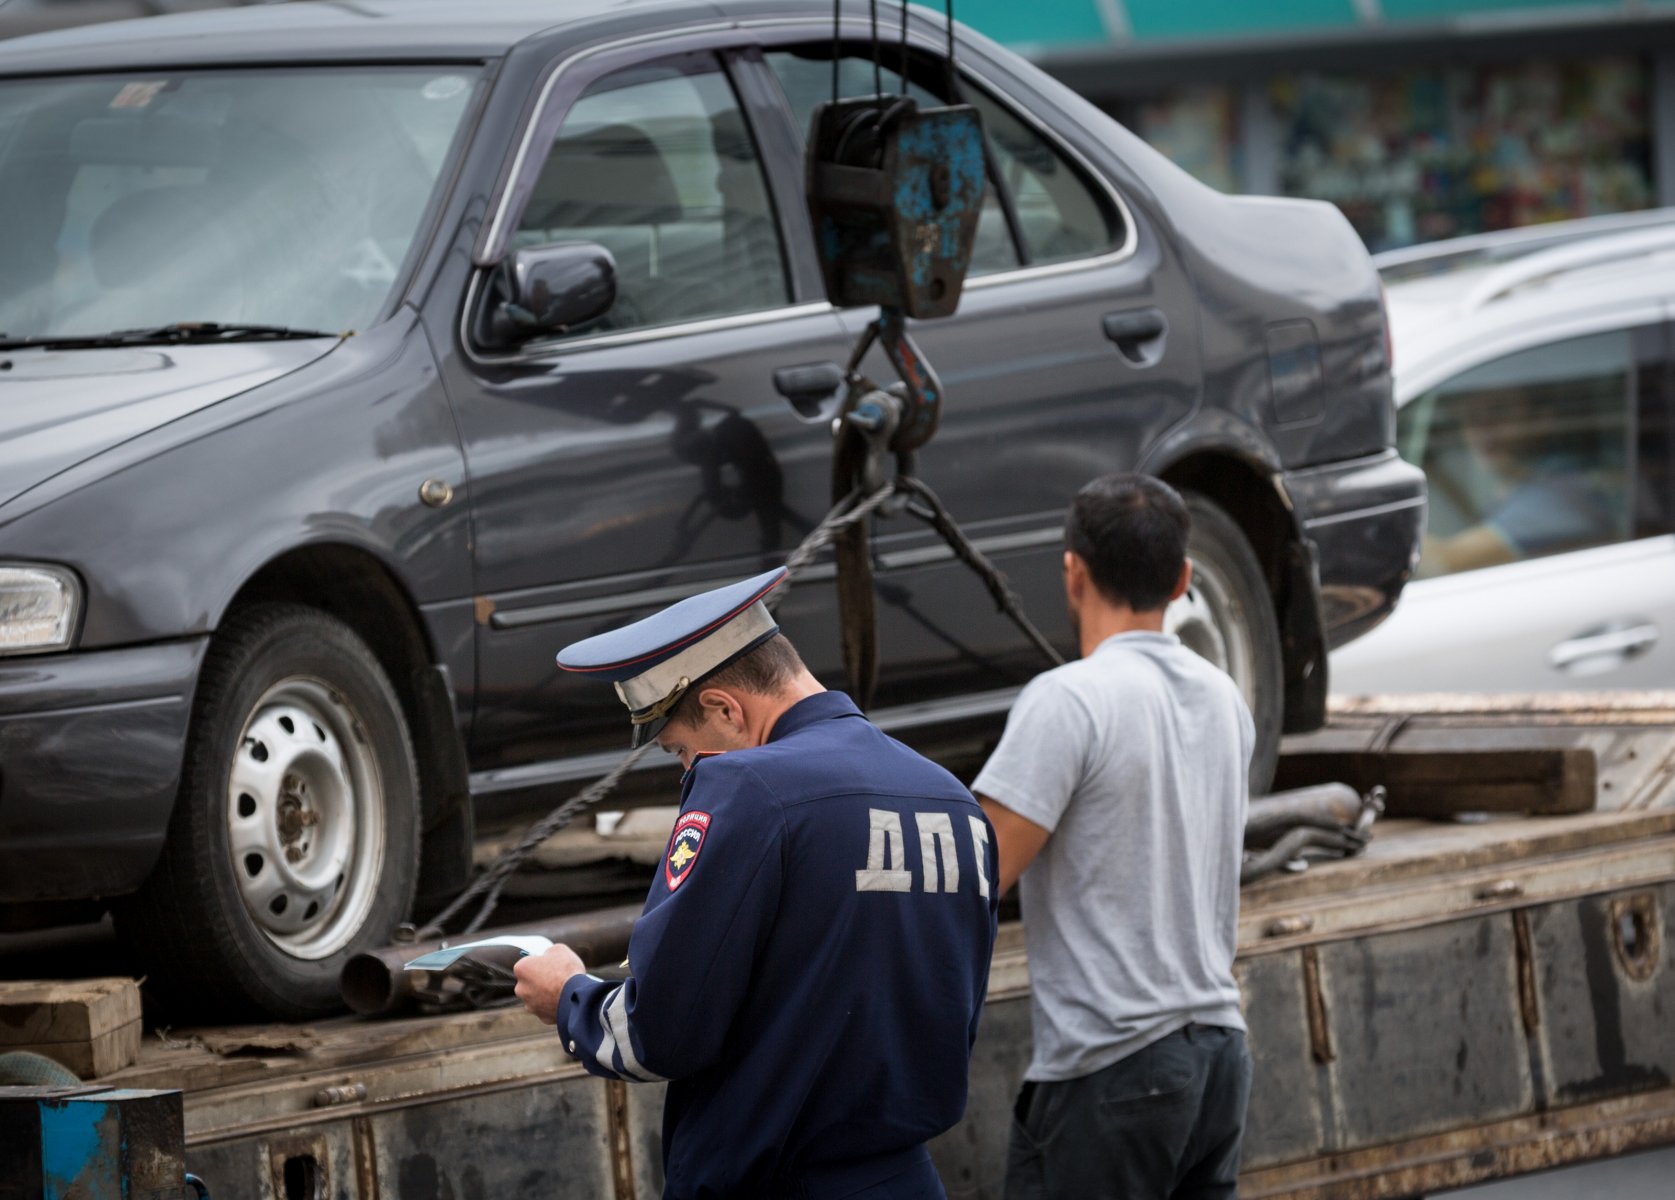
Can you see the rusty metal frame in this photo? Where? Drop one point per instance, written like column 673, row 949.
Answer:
column 622, row 1149
column 1466, row 1156
column 1640, row 908
column 1499, row 887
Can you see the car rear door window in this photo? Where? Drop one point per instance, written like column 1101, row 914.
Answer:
column 657, row 164
column 1538, row 452
column 1062, row 216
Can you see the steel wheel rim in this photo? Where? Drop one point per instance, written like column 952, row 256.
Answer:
column 305, row 818
column 1211, row 623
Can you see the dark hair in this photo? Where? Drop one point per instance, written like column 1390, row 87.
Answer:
column 762, row 671
column 1131, row 531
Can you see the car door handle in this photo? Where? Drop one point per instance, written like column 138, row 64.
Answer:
column 809, row 387
column 1588, row 652
column 1138, row 333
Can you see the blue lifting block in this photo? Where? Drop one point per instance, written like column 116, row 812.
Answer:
column 92, row 1143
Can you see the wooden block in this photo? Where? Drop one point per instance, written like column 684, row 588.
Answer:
column 1546, row 782
column 92, row 1026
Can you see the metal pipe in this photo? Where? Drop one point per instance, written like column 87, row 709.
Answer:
column 374, row 982
column 1323, row 806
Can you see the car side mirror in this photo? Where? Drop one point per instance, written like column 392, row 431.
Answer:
column 540, row 291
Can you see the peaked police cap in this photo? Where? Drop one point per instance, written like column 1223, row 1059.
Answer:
column 655, row 661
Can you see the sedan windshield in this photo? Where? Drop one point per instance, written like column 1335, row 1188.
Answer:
column 279, row 198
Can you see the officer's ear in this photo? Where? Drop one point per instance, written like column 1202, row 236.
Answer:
column 722, row 706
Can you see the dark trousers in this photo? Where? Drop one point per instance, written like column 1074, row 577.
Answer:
column 1164, row 1123
column 900, row 1175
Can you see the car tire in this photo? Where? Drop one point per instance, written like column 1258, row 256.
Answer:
column 294, row 841
column 1228, row 617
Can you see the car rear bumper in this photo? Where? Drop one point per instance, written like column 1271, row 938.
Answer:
column 1366, row 518
column 90, row 754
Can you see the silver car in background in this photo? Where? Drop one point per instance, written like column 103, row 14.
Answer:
column 1533, row 375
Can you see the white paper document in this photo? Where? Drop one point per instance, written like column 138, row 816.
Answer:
column 523, row 943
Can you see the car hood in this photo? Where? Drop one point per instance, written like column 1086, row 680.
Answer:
column 61, row 407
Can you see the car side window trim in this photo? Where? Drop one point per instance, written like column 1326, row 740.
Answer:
column 571, row 74
column 576, row 70
column 776, row 34
column 780, row 145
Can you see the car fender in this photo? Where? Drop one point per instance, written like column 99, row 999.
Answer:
column 166, row 529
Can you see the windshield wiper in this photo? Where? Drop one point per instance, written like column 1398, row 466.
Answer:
column 178, row 333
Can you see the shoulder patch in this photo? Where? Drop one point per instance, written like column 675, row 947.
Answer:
column 684, row 845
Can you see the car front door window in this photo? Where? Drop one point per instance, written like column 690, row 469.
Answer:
column 657, row 165
column 1529, row 455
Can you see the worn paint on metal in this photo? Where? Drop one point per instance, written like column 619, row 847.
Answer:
column 81, row 1152
column 622, row 1159
column 1418, row 1166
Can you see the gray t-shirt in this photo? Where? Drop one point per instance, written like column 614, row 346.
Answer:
column 1137, row 761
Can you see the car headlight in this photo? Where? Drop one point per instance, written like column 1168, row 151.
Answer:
column 38, row 609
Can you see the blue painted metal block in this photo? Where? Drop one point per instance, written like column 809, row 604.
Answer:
column 91, row 1143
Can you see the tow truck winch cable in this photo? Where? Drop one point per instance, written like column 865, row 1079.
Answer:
column 851, row 512
column 876, row 423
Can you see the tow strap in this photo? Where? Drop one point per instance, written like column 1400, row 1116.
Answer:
column 894, row 192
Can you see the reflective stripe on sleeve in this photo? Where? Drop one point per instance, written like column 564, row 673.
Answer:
column 615, row 1021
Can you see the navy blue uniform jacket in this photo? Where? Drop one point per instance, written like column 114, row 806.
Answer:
column 811, row 963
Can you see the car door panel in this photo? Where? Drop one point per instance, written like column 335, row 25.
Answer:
column 647, row 459
column 1063, row 364
column 1495, row 630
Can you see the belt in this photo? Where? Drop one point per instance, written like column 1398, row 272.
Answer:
column 832, row 1181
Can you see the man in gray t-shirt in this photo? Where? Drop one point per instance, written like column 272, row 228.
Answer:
column 1118, row 793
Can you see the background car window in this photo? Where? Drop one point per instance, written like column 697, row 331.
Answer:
column 1529, row 455
column 657, row 165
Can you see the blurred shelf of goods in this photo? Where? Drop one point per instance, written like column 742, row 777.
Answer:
column 1421, row 119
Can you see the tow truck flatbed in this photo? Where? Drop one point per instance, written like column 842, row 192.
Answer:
column 1464, row 1001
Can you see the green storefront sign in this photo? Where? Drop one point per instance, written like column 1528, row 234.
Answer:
column 1088, row 23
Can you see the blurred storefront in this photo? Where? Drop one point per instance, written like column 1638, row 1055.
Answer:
column 1421, row 119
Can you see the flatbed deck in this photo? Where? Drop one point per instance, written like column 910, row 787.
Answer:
column 1466, row 999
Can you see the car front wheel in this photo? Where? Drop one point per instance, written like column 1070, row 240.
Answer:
column 294, row 840
column 1227, row 617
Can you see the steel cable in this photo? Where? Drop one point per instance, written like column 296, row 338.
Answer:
column 848, row 512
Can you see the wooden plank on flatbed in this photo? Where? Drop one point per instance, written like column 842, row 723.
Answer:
column 1433, row 784
column 91, row 1026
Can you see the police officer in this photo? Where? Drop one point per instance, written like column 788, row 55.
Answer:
column 812, row 960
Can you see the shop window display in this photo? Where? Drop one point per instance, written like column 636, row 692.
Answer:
column 1436, row 153
column 1197, row 128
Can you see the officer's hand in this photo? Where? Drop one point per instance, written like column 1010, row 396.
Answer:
column 541, row 978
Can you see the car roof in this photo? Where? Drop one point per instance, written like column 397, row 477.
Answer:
column 1478, row 306
column 365, row 30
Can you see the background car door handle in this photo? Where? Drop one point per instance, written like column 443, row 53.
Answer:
column 1605, row 647
column 1138, row 333
column 810, row 388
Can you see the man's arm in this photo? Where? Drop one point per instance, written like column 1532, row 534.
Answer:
column 1017, row 841
column 712, row 902
column 541, row 979
column 1034, row 770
